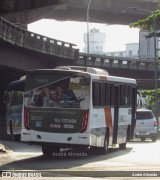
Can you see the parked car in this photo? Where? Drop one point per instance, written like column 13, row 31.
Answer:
column 146, row 125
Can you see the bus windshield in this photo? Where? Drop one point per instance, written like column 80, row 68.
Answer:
column 56, row 89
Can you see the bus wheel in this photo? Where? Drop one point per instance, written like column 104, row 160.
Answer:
column 154, row 139
column 122, row 146
column 47, row 150
column 104, row 149
column 128, row 134
column 143, row 139
column 16, row 137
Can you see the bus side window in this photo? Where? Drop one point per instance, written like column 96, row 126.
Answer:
column 98, row 92
column 95, row 93
column 128, row 94
column 112, row 94
column 107, row 94
column 101, row 94
column 16, row 97
column 125, row 95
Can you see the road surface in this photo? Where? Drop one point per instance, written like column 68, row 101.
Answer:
column 137, row 159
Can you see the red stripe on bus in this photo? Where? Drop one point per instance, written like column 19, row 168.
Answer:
column 108, row 119
column 103, row 78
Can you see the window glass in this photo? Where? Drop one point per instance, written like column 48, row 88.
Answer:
column 101, row 94
column 104, row 94
column 107, row 94
column 71, row 91
column 122, row 97
column 112, row 94
column 144, row 115
column 125, row 95
column 95, row 94
column 130, row 52
column 16, row 97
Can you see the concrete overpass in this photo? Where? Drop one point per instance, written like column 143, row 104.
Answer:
column 19, row 48
column 23, row 12
column 23, row 50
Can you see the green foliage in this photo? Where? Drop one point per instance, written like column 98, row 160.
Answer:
column 149, row 95
column 152, row 34
column 147, row 23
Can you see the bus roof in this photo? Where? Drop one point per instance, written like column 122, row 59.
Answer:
column 94, row 72
column 98, row 72
column 90, row 70
column 121, row 79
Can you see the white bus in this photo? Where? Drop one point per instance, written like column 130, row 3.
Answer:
column 13, row 99
column 78, row 107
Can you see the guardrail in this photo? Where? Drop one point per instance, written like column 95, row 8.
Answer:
column 115, row 62
column 21, row 37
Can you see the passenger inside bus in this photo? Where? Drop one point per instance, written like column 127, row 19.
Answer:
column 59, row 96
column 38, row 98
column 48, row 98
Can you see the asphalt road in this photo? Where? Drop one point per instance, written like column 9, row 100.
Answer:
column 137, row 158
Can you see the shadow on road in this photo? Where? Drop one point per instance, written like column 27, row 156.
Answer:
column 71, row 159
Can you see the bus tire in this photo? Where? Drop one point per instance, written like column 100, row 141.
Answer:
column 104, row 149
column 10, row 127
column 142, row 139
column 154, row 139
column 16, row 137
column 47, row 150
column 128, row 134
column 122, row 146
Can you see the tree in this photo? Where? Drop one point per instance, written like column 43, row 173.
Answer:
column 148, row 24
column 149, row 96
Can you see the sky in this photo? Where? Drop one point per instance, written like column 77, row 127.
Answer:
column 117, row 36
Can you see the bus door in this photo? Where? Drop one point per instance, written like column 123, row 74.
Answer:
column 133, row 119
column 116, row 113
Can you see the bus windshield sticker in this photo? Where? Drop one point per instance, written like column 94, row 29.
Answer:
column 56, row 119
column 68, row 92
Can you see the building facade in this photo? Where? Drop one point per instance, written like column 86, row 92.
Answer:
column 132, row 51
column 97, row 41
column 142, row 50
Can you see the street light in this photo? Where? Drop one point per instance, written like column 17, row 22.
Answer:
column 155, row 53
column 88, row 25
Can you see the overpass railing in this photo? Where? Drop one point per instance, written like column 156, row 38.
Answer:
column 115, row 62
column 23, row 38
